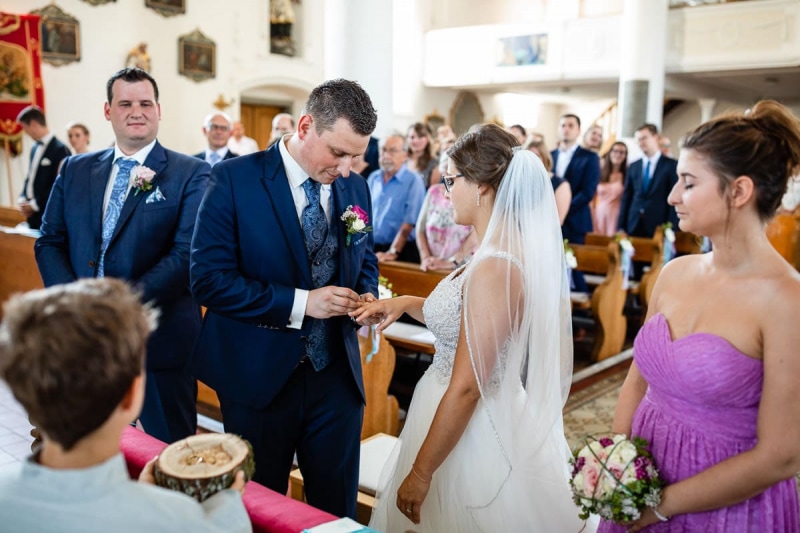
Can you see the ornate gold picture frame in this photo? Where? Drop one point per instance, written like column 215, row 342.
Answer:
column 197, row 56
column 60, row 35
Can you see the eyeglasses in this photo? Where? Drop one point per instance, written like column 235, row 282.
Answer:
column 450, row 180
column 219, row 127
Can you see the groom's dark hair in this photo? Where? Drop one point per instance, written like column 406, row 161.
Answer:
column 335, row 99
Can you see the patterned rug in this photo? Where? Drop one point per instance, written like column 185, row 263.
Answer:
column 590, row 409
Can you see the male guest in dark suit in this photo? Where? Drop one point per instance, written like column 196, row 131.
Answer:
column 581, row 169
column 647, row 185
column 278, row 269
column 46, row 156
column 217, row 127
column 128, row 212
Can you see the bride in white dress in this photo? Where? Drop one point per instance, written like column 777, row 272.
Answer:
column 483, row 446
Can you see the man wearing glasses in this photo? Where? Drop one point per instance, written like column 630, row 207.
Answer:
column 217, row 127
column 397, row 196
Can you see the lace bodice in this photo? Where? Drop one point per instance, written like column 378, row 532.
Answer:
column 442, row 311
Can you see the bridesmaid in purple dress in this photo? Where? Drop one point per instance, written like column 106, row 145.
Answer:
column 716, row 369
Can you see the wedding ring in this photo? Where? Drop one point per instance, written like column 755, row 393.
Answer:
column 408, row 509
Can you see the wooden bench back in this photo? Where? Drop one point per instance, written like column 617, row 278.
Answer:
column 408, row 280
column 608, row 298
column 381, row 413
column 18, row 270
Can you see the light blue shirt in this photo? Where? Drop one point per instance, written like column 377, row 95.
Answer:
column 394, row 203
column 35, row 498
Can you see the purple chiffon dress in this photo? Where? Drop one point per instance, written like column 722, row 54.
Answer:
column 701, row 407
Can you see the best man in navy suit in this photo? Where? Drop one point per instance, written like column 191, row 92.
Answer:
column 278, row 270
column 644, row 200
column 581, row 168
column 101, row 222
column 217, row 127
column 46, row 157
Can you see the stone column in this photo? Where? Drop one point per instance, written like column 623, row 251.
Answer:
column 641, row 84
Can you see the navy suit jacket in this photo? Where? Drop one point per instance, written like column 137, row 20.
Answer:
column 46, row 174
column 248, row 256
column 149, row 247
column 228, row 155
column 583, row 174
column 641, row 211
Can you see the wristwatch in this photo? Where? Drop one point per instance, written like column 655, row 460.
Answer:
column 392, row 250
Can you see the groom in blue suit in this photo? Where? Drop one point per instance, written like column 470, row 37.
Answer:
column 278, row 269
column 128, row 212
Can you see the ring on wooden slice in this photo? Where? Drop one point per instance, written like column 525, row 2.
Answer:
column 202, row 465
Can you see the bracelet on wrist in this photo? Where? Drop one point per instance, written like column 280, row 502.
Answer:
column 659, row 515
column 414, row 471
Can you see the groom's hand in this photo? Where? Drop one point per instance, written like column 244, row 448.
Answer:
column 326, row 302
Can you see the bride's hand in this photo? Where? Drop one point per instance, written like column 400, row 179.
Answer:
column 410, row 496
column 381, row 312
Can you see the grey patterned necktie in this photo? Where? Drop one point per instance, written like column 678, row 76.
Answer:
column 315, row 230
column 119, row 191
column 315, row 224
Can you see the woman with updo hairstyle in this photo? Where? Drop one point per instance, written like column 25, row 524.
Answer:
column 78, row 136
column 483, row 446
column 419, row 145
column 713, row 386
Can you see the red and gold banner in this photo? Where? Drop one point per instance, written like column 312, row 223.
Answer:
column 20, row 70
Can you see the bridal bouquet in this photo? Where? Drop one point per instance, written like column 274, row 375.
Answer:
column 614, row 477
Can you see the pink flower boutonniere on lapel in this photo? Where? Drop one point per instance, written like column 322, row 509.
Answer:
column 142, row 177
column 355, row 220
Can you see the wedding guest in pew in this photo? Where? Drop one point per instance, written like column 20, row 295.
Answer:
column 73, row 356
column 421, row 159
column 397, row 195
column 713, row 386
column 78, row 136
column 442, row 244
column 608, row 198
column 483, row 447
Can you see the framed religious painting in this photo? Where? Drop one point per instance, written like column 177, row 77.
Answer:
column 167, row 8
column 98, row 2
column 60, row 35
column 197, row 56
column 434, row 121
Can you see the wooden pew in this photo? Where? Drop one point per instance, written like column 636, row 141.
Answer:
column 10, row 217
column 408, row 279
column 645, row 250
column 607, row 300
column 18, row 271
column 782, row 232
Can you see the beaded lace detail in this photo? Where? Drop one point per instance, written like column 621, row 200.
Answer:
column 442, row 312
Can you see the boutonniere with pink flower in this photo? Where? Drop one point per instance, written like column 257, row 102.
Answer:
column 355, row 220
column 142, row 178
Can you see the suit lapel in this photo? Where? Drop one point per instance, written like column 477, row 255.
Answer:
column 101, row 170
column 276, row 184
column 339, row 204
column 157, row 161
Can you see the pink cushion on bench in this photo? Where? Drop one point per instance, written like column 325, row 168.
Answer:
column 269, row 511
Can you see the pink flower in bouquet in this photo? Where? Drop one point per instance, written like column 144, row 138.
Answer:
column 614, row 477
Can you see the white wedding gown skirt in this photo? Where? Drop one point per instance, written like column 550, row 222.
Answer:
column 464, row 493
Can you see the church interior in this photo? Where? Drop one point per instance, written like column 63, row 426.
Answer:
column 615, row 64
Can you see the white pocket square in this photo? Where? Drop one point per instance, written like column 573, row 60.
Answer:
column 45, row 162
column 155, row 196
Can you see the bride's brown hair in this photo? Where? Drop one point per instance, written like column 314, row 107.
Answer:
column 483, row 155
column 762, row 143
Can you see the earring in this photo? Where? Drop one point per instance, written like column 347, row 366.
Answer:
column 478, row 201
